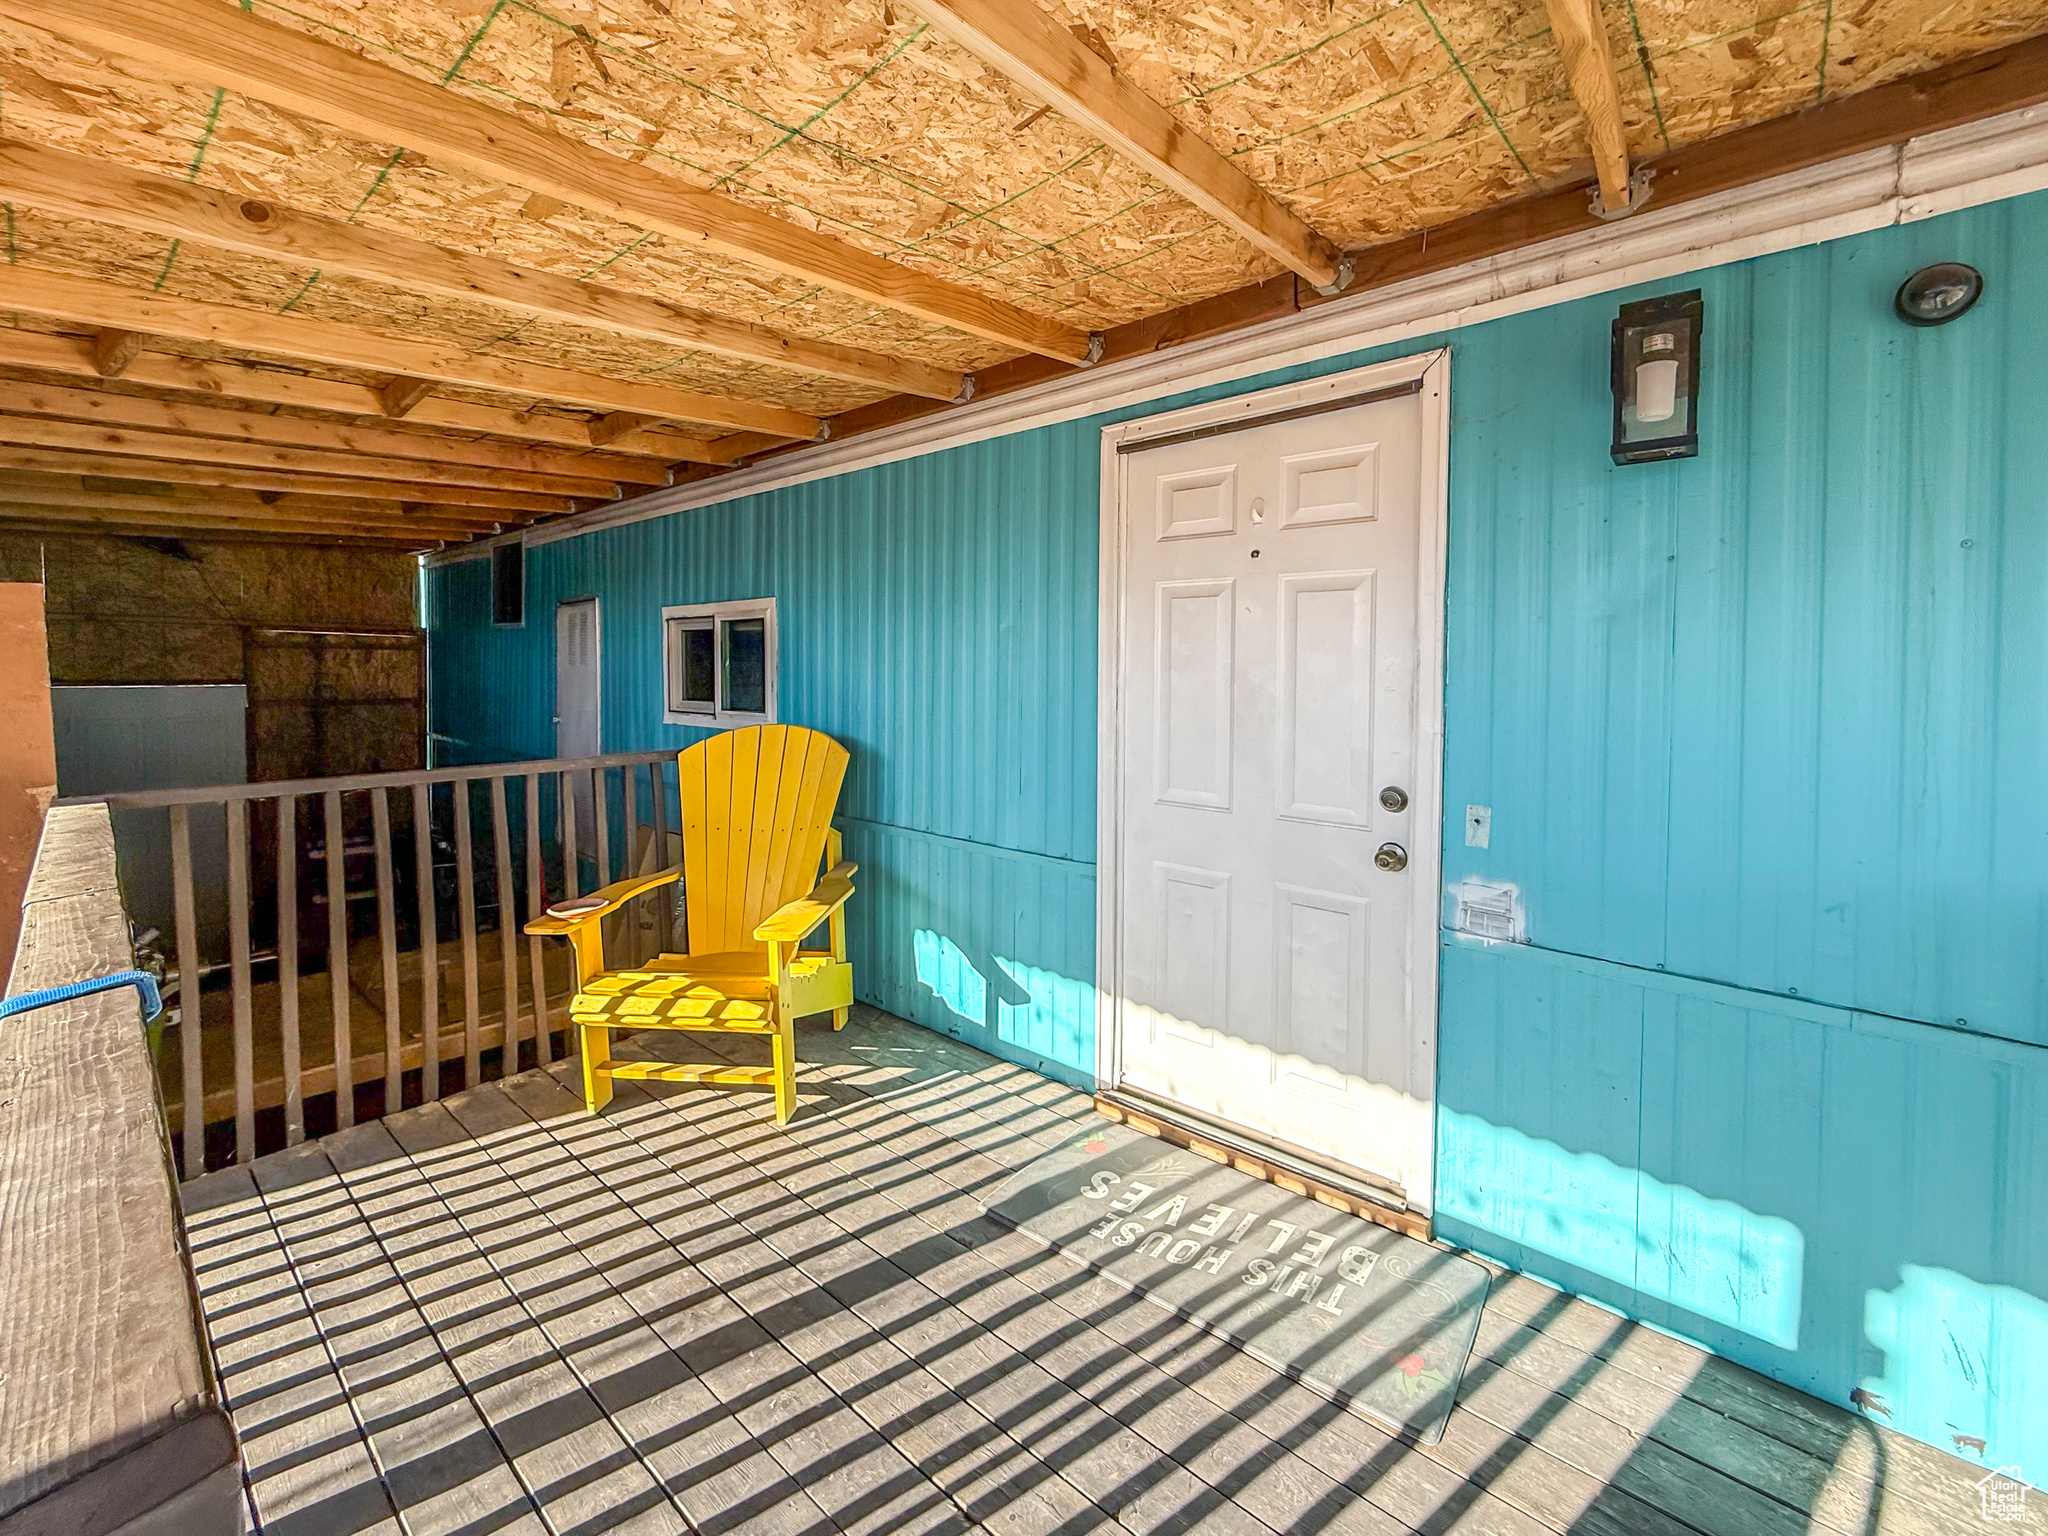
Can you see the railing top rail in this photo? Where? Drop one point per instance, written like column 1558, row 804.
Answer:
column 220, row 794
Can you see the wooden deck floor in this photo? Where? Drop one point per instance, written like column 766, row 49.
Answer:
column 499, row 1314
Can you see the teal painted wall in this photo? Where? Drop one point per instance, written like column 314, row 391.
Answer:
column 1764, row 738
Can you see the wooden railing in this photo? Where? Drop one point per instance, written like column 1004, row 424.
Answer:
column 403, row 869
column 110, row 1416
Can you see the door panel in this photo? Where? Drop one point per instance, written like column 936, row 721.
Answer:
column 1267, row 663
column 1196, row 662
column 1326, row 673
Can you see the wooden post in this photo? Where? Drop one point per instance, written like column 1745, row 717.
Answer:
column 288, row 968
column 536, row 903
column 337, row 964
column 191, row 1043
column 238, row 980
column 387, row 935
column 430, row 976
column 664, row 899
column 465, row 887
column 565, row 822
column 508, row 931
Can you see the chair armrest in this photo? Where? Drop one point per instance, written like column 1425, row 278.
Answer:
column 614, row 896
column 790, row 924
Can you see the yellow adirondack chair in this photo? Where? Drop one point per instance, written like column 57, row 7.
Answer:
column 757, row 818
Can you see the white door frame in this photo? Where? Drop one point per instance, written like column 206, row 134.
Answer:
column 1431, row 370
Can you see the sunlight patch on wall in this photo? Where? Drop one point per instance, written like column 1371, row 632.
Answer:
column 942, row 967
column 1714, row 1258
column 1966, row 1365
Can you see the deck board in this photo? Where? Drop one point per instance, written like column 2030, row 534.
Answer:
column 497, row 1313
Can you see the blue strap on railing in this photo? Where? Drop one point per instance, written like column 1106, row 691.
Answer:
column 142, row 981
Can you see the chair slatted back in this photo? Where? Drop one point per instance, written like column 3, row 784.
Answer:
column 757, row 803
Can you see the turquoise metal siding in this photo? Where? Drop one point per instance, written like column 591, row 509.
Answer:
column 1764, row 735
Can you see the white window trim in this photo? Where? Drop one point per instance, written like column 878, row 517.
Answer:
column 720, row 718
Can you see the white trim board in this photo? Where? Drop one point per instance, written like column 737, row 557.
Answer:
column 1432, row 371
column 1982, row 162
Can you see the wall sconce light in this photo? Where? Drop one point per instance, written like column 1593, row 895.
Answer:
column 1657, row 379
column 1938, row 294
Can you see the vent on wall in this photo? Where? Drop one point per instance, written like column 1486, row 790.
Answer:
column 508, row 583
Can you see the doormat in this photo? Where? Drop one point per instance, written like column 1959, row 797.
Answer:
column 1373, row 1320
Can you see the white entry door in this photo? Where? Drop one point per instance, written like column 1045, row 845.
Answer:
column 1276, row 770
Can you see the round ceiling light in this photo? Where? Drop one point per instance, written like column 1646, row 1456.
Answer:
column 1938, row 294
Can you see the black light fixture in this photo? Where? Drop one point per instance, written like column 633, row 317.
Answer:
column 1657, row 379
column 1938, row 294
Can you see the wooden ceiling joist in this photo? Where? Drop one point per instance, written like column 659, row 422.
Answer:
column 113, row 351
column 210, row 43
column 1581, row 34
column 171, row 500
column 146, row 413
column 88, row 302
column 400, row 396
column 121, row 467
column 77, row 186
column 34, row 520
column 90, row 437
column 71, row 356
column 1019, row 40
column 168, row 513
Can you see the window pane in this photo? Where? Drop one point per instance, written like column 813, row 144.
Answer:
column 746, row 665
column 690, row 666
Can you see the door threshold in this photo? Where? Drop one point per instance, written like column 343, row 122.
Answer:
column 1297, row 1175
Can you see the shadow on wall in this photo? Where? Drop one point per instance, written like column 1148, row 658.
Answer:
column 1811, row 1192
column 1036, row 1010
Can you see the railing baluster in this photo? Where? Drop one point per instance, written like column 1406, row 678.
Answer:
column 508, row 934
column 288, row 968
column 387, row 937
column 536, row 903
column 337, row 964
column 664, row 897
column 465, row 888
column 238, row 959
column 191, row 1041
column 430, row 962
column 630, row 913
column 601, row 827
column 565, row 825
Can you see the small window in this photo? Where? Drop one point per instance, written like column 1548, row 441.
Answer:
column 719, row 661
column 508, row 583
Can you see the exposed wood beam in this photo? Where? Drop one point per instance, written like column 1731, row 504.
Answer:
column 89, row 437
column 214, row 44
column 151, row 414
column 79, row 187
column 59, row 462
column 113, row 351
column 30, row 520
column 89, row 302
column 72, row 356
column 400, row 396
column 1018, row 39
column 85, row 512
column 144, row 496
column 1581, row 35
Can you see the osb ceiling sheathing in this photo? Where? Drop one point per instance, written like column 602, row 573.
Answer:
column 1371, row 120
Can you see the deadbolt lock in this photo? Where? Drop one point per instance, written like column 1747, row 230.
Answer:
column 1394, row 799
column 1392, row 857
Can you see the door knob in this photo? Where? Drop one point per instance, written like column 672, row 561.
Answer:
column 1394, row 799
column 1392, row 857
